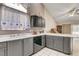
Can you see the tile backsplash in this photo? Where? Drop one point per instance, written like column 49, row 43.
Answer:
column 4, row 32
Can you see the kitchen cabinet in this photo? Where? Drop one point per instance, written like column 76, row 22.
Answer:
column 2, row 48
column 49, row 41
column 36, row 9
column 24, row 22
column 28, row 46
column 5, row 17
column 67, row 45
column 15, row 20
column 66, row 29
column 58, row 43
column 12, row 19
column 15, row 48
column 54, row 42
column 43, row 40
column 27, row 21
column 9, row 19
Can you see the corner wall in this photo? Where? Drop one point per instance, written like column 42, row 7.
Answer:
column 49, row 21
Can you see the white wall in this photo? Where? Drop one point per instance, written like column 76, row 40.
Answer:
column 49, row 21
column 75, row 28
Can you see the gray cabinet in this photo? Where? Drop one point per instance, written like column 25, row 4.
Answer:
column 28, row 46
column 67, row 45
column 49, row 41
column 58, row 43
column 3, row 49
column 54, row 42
column 43, row 40
column 15, row 48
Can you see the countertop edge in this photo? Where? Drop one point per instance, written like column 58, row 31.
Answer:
column 3, row 39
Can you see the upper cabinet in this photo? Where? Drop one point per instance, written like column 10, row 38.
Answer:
column 24, row 22
column 36, row 9
column 17, row 6
column 12, row 19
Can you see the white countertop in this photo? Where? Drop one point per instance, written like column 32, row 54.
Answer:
column 64, row 35
column 22, row 36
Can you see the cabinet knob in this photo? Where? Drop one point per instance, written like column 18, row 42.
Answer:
column 11, row 24
column 20, row 24
column 16, row 24
column 4, row 23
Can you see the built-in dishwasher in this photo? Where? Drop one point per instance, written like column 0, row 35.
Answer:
column 38, row 43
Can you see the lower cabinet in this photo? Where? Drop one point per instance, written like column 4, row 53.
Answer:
column 14, row 48
column 2, row 53
column 54, row 42
column 49, row 41
column 67, row 45
column 58, row 43
column 28, row 46
column 20, row 47
column 17, row 47
column 2, row 48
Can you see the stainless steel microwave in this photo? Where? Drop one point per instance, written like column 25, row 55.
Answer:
column 37, row 21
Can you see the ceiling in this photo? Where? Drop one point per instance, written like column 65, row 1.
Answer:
column 60, row 12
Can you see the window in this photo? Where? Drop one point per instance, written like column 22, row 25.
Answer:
column 75, row 29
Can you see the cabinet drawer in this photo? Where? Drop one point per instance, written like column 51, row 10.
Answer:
column 3, row 45
column 28, row 46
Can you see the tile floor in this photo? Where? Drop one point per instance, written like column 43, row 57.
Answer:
column 49, row 52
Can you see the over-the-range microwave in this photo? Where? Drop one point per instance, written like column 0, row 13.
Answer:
column 37, row 21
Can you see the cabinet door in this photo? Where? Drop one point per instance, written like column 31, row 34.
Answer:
column 14, row 22
column 4, row 20
column 22, row 21
column 43, row 41
column 67, row 45
column 15, row 48
column 27, row 21
column 49, row 41
column 2, row 49
column 28, row 46
column 58, row 43
column 10, row 18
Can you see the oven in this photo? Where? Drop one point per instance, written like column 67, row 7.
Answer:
column 38, row 43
